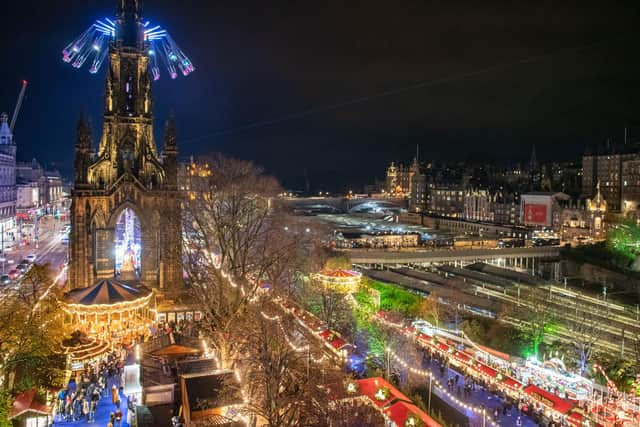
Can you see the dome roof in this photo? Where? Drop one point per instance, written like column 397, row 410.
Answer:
column 6, row 137
column 105, row 292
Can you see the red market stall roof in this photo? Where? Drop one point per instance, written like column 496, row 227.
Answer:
column 370, row 386
column 27, row 402
column 461, row 356
column 548, row 399
column 399, row 412
column 495, row 353
column 442, row 347
column 485, row 370
column 333, row 339
column 575, row 418
column 424, row 338
column 511, row 383
column 338, row 343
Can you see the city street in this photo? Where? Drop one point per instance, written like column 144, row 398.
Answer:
column 50, row 247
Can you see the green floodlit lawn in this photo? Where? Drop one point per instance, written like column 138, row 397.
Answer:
column 393, row 297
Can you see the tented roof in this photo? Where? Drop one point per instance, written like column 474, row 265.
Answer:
column 106, row 292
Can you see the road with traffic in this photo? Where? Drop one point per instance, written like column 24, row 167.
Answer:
column 50, row 247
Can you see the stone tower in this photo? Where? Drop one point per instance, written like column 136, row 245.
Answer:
column 125, row 189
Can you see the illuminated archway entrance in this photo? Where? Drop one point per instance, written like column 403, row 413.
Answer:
column 128, row 246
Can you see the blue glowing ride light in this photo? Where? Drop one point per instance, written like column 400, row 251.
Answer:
column 93, row 44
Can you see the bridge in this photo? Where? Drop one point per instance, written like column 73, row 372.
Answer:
column 342, row 204
column 518, row 257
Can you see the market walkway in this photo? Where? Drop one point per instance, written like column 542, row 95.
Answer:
column 479, row 397
column 103, row 410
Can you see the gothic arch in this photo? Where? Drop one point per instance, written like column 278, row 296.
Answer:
column 99, row 218
column 115, row 215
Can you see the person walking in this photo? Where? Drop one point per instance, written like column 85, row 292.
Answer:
column 85, row 407
column 118, row 418
column 115, row 397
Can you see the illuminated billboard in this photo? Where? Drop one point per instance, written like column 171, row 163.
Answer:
column 535, row 214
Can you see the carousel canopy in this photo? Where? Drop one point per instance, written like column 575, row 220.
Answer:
column 106, row 292
column 341, row 273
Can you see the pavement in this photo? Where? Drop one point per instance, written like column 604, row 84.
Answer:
column 480, row 397
column 103, row 411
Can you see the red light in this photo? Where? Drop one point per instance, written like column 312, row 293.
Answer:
column 24, row 83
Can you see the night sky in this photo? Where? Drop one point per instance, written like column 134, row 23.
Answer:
column 341, row 88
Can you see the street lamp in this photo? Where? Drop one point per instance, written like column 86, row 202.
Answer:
column 388, row 363
column 429, row 400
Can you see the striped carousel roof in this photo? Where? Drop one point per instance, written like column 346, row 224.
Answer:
column 341, row 273
column 105, row 292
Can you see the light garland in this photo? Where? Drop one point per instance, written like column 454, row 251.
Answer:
column 101, row 309
column 429, row 374
column 298, row 349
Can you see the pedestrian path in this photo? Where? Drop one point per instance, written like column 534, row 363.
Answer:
column 103, row 410
column 479, row 398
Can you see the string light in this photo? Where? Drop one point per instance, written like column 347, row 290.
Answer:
column 298, row 349
column 429, row 374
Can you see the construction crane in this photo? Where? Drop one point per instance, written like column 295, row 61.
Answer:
column 18, row 105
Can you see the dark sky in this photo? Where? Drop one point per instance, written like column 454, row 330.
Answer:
column 464, row 79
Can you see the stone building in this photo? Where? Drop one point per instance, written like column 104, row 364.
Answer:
column 49, row 194
column 446, row 200
column 584, row 220
column 478, row 205
column 7, row 179
column 125, row 212
column 607, row 171
column 400, row 177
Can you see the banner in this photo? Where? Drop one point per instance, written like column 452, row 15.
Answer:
column 535, row 213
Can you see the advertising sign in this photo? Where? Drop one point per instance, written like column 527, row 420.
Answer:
column 535, row 213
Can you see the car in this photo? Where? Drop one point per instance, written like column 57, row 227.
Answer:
column 14, row 274
column 31, row 258
column 22, row 268
column 5, row 279
column 25, row 261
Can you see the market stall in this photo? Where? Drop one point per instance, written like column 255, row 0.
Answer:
column 403, row 414
column 553, row 406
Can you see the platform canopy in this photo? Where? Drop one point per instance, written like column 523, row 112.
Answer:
column 107, row 292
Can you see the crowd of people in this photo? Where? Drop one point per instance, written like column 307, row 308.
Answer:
column 497, row 403
column 80, row 399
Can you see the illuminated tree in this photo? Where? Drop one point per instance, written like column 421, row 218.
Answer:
column 282, row 376
column 236, row 240
column 33, row 327
column 431, row 308
column 329, row 304
column 537, row 318
column 586, row 333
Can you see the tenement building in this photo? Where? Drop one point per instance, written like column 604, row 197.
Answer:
column 7, row 180
column 125, row 213
column 607, row 170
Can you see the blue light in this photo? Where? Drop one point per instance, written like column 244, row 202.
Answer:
column 151, row 29
column 90, row 46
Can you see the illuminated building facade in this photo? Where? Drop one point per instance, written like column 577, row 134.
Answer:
column 125, row 213
column 7, row 179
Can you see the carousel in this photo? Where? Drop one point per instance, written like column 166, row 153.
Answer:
column 112, row 311
column 342, row 280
